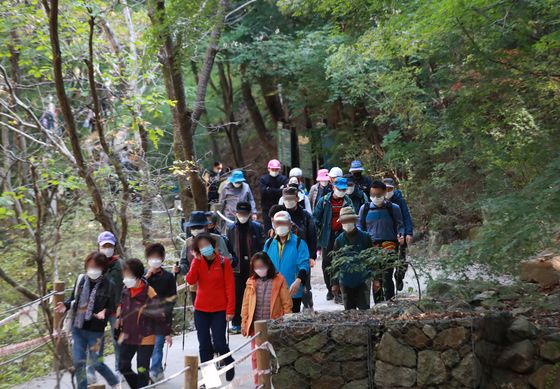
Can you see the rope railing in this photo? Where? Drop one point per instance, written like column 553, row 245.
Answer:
column 223, row 356
column 14, row 309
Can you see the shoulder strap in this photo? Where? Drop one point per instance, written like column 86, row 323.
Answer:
column 389, row 206
column 267, row 244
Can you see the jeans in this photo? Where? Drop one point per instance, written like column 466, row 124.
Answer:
column 214, row 323
column 143, row 355
column 156, row 367
column 86, row 343
column 356, row 298
column 90, row 368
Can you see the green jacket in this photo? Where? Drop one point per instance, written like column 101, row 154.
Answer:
column 322, row 217
column 115, row 274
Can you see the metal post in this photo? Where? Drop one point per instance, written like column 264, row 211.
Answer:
column 263, row 359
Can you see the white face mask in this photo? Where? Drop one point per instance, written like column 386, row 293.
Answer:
column 389, row 194
column 237, row 184
column 339, row 193
column 197, row 231
column 378, row 201
column 282, row 230
column 348, row 227
column 129, row 282
column 273, row 173
column 243, row 219
column 108, row 251
column 290, row 204
column 323, row 183
column 350, row 190
column 93, row 273
column 262, row 272
column 155, row 263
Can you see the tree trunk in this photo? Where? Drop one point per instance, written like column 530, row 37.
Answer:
column 271, row 99
column 255, row 113
column 231, row 126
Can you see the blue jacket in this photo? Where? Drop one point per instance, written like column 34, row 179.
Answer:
column 323, row 215
column 360, row 241
column 358, row 198
column 407, row 218
column 294, row 261
column 379, row 223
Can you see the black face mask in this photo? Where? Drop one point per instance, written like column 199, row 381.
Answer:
column 357, row 174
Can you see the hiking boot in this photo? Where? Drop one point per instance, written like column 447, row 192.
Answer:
column 234, row 330
column 400, row 285
column 329, row 296
column 338, row 299
column 230, row 375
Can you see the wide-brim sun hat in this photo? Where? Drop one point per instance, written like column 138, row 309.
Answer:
column 236, row 176
column 347, row 214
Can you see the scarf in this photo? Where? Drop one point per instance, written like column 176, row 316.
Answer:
column 86, row 301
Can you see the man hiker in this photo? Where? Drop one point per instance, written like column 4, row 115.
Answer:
column 382, row 220
column 355, row 193
column 326, row 216
column 271, row 185
column 306, row 230
column 354, row 284
column 361, row 180
column 396, row 197
column 246, row 238
column 290, row 256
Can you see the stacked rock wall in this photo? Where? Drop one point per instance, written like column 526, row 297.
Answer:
column 495, row 351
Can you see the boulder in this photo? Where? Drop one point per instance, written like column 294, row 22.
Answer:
column 416, row 338
column 387, row 376
column 287, row 355
column 348, row 353
column 451, row 338
column 323, row 382
column 357, row 335
column 519, row 357
column 521, row 329
column 307, row 367
column 450, row 358
column 544, row 270
column 429, row 331
column 390, row 350
column 287, row 377
column 312, row 344
column 539, row 378
column 480, row 297
column 361, row 384
column 550, row 351
column 431, row 369
column 354, row 370
column 469, row 371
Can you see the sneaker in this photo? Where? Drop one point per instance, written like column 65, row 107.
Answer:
column 234, row 330
column 91, row 379
column 329, row 296
column 120, row 376
column 338, row 299
column 230, row 375
column 156, row 377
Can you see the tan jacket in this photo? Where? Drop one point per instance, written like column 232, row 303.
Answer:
column 280, row 304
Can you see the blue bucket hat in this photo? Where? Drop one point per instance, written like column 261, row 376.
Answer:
column 106, row 237
column 356, row 166
column 341, row 183
column 236, row 176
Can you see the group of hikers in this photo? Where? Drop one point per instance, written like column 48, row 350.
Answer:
column 245, row 272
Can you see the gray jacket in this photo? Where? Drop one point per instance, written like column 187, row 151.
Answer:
column 231, row 195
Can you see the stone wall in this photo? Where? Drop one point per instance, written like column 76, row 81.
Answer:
column 493, row 351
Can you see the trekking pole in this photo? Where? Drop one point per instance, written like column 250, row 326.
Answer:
column 185, row 316
column 166, row 355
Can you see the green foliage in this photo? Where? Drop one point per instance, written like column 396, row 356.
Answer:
column 371, row 262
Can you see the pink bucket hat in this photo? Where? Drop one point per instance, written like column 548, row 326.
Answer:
column 322, row 175
column 274, row 164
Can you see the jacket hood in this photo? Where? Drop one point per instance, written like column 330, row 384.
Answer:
column 397, row 195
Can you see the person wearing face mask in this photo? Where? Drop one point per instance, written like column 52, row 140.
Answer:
column 235, row 191
column 266, row 297
column 326, row 216
column 305, row 229
column 316, row 191
column 384, row 223
column 247, row 238
column 297, row 173
column 92, row 303
column 213, row 181
column 163, row 282
column 106, row 243
column 396, row 197
column 290, row 256
column 196, row 225
column 361, row 180
column 271, row 185
column 214, row 305
column 355, row 285
column 141, row 316
column 355, row 193
column 301, row 198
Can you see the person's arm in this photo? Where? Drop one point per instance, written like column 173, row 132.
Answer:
column 407, row 218
column 226, row 250
column 251, row 200
column 336, row 246
column 308, row 208
column 184, row 263
column 398, row 219
column 318, row 214
column 68, row 303
column 230, row 288
column 303, row 262
column 285, row 298
column 193, row 274
column 361, row 225
column 311, row 237
column 111, row 305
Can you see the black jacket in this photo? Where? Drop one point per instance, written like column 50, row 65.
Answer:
column 306, row 229
column 163, row 282
column 104, row 299
column 114, row 273
column 270, row 190
column 253, row 233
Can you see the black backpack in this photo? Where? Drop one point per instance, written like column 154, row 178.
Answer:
column 388, row 206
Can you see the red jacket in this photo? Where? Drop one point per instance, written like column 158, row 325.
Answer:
column 216, row 289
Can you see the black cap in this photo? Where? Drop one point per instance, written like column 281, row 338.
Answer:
column 243, row 206
column 389, row 181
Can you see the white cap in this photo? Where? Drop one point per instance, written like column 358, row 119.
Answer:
column 336, row 172
column 282, row 216
column 296, row 172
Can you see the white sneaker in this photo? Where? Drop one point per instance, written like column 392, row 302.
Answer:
column 91, row 379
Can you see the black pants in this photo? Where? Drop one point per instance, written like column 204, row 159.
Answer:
column 388, row 286
column 325, row 251
column 296, row 307
column 307, row 297
column 143, row 355
column 240, row 283
column 356, row 298
column 267, row 223
column 211, row 333
column 402, row 266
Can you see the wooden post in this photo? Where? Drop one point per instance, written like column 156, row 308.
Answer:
column 58, row 297
column 191, row 374
column 96, row 386
column 263, row 359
